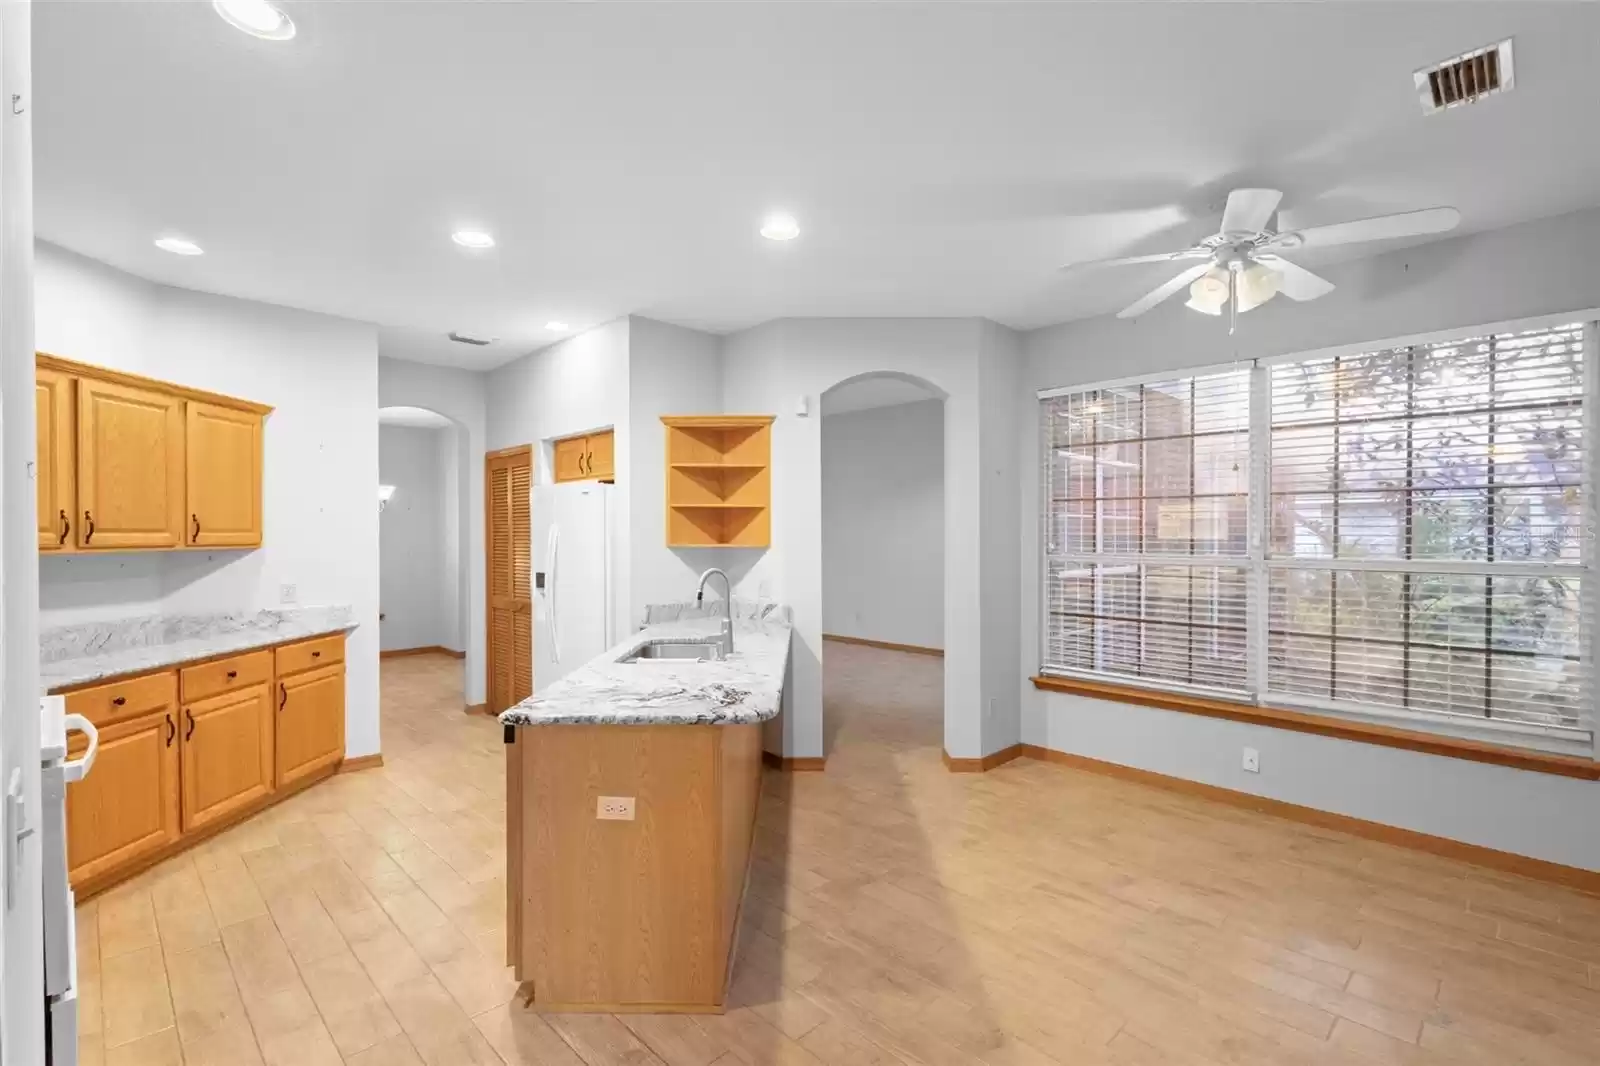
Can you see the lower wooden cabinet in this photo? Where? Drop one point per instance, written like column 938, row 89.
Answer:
column 310, row 722
column 227, row 754
column 128, row 807
column 169, row 771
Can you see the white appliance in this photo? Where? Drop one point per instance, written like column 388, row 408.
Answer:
column 572, row 609
column 60, row 908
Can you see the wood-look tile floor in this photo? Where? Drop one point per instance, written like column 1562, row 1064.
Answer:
column 897, row 914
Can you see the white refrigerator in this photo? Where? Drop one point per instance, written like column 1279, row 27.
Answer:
column 572, row 591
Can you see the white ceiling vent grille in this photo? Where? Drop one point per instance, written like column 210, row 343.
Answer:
column 1467, row 78
column 462, row 338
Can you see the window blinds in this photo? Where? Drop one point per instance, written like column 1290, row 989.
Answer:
column 1413, row 545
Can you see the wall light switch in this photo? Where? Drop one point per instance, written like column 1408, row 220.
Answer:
column 288, row 594
column 1252, row 761
column 614, row 808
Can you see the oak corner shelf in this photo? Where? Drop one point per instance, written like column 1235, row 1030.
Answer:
column 719, row 481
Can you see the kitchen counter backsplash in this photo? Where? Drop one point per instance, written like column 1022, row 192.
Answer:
column 744, row 611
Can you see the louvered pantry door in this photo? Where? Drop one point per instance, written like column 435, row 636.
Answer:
column 508, row 479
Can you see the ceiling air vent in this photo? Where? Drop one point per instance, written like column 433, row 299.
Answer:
column 462, row 338
column 1467, row 78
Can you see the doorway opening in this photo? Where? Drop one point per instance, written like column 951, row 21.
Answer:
column 883, row 553
column 424, row 555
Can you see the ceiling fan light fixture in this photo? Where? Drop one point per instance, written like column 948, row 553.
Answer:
column 1208, row 294
column 1257, row 284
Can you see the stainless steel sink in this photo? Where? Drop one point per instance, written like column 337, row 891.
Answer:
column 692, row 651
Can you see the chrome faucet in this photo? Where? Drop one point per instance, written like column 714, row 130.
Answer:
column 727, row 623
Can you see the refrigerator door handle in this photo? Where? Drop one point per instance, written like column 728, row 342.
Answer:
column 77, row 769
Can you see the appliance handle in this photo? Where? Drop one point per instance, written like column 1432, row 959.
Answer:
column 77, row 769
column 551, row 560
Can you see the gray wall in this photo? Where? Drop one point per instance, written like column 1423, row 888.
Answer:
column 412, row 564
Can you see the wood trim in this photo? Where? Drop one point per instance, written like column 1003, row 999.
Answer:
column 361, row 762
column 887, row 645
column 479, row 709
column 717, row 421
column 792, row 764
column 181, row 664
column 1329, row 726
column 503, row 453
column 91, row 887
column 430, row 649
column 139, row 381
column 1475, row 854
column 978, row 766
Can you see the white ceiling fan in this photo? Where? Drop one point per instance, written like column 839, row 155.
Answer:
column 1241, row 266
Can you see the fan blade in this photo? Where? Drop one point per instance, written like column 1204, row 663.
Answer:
column 1249, row 210
column 1155, row 296
column 1383, row 227
column 1159, row 257
column 1296, row 282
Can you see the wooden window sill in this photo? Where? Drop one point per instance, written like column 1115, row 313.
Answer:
column 1329, row 726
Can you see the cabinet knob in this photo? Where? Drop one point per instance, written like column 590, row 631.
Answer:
column 119, row 701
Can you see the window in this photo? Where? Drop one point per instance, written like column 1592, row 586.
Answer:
column 1399, row 533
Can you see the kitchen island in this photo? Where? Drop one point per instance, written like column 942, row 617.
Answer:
column 631, row 794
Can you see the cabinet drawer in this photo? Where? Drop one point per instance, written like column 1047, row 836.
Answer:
column 128, row 698
column 322, row 651
column 225, row 675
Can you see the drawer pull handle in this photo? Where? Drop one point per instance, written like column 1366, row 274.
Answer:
column 88, row 520
column 283, row 696
column 190, row 732
column 119, row 701
column 232, row 674
column 66, row 527
column 172, row 730
column 316, row 655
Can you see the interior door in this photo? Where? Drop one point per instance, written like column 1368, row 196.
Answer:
column 310, row 735
column 224, row 476
column 227, row 753
column 130, row 467
column 54, row 472
column 508, row 479
column 128, row 806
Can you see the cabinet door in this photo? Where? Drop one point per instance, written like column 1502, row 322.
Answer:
column 227, row 753
column 130, row 467
column 600, row 459
column 127, row 806
column 569, row 462
column 223, row 448
column 52, row 397
column 310, row 722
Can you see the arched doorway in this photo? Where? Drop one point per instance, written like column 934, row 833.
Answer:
column 883, row 517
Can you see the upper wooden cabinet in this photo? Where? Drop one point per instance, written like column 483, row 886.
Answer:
column 54, row 413
column 127, row 463
column 592, row 456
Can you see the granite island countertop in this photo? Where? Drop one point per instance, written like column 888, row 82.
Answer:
column 744, row 689
column 95, row 651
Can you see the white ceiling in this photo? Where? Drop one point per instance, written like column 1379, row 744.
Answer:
column 943, row 159
column 863, row 394
column 419, row 417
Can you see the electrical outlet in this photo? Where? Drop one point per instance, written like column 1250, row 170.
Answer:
column 288, row 594
column 1252, row 761
column 992, row 708
column 614, row 808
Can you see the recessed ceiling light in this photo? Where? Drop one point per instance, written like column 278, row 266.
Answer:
column 179, row 246
column 471, row 238
column 556, row 327
column 780, row 228
column 258, row 18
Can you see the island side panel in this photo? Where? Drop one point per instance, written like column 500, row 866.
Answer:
column 621, row 914
column 741, row 790
column 514, row 850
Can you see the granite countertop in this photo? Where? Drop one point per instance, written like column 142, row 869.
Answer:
column 94, row 651
column 743, row 689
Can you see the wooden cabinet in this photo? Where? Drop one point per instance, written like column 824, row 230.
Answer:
column 248, row 728
column 128, row 463
column 719, row 481
column 128, row 807
column 310, row 721
column 223, row 462
column 130, row 467
column 54, row 413
column 582, row 458
column 227, row 753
